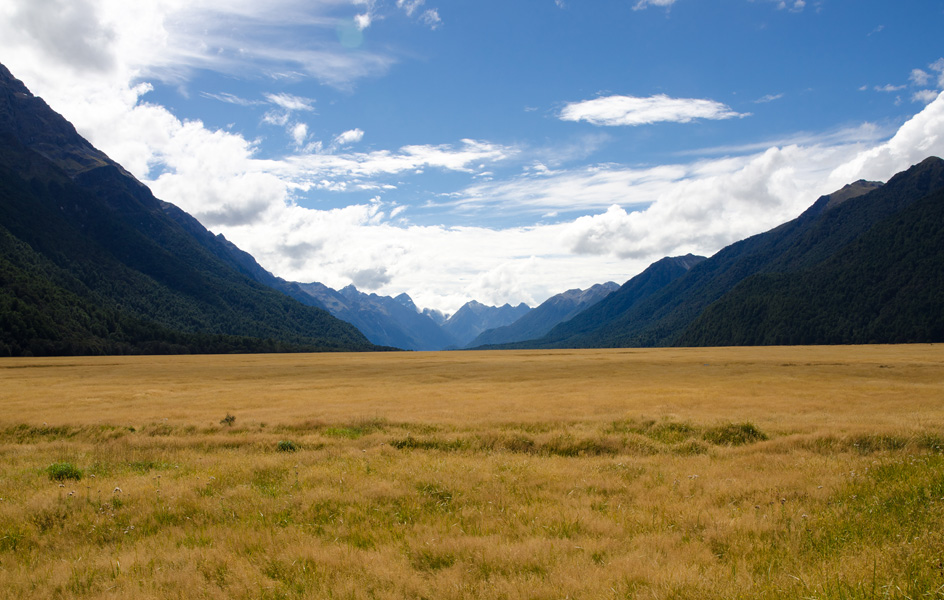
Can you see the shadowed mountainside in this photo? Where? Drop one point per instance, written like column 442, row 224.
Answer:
column 93, row 263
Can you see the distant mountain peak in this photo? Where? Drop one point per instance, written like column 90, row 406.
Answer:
column 406, row 301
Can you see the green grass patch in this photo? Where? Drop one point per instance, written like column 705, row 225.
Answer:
column 61, row 471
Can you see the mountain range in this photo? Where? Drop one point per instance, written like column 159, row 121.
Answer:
column 92, row 263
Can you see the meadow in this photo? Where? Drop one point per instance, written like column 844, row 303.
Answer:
column 801, row 472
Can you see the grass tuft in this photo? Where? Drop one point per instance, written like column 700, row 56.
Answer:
column 734, row 434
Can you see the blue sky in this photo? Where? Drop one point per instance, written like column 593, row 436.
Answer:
column 501, row 151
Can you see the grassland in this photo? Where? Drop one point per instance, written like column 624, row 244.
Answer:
column 695, row 473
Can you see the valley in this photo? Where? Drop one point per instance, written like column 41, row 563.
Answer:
column 788, row 472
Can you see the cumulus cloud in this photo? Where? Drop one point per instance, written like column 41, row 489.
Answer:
column 69, row 31
column 632, row 110
column 351, row 136
column 370, row 279
column 920, row 137
column 300, row 134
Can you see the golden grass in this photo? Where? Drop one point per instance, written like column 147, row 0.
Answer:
column 812, row 472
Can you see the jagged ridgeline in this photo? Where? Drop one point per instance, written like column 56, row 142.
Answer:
column 92, row 263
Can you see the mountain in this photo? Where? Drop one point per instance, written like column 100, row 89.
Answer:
column 384, row 320
column 438, row 316
column 474, row 318
column 538, row 321
column 93, row 263
column 886, row 286
column 785, row 282
column 570, row 334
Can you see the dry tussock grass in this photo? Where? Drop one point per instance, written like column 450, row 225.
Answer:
column 716, row 473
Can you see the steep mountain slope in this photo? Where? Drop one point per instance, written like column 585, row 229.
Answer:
column 887, row 286
column 543, row 318
column 831, row 224
column 87, row 242
column 474, row 318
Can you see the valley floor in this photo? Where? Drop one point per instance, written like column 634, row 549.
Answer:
column 802, row 472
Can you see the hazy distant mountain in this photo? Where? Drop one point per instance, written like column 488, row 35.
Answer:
column 474, row 318
column 92, row 263
column 394, row 320
column 540, row 320
column 638, row 289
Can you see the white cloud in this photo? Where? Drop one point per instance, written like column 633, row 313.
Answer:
column 795, row 6
column 410, row 6
column 290, row 102
column 431, row 18
column 919, row 77
column 167, row 39
column 768, row 98
column 300, row 134
column 889, row 88
column 631, row 110
column 349, row 137
column 924, row 96
column 920, row 137
column 231, row 99
column 642, row 4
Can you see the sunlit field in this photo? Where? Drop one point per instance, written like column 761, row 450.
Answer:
column 811, row 472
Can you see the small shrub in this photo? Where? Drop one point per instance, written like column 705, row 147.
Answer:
column 286, row 446
column 228, row 420
column 64, row 470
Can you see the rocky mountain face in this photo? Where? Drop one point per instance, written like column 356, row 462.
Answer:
column 92, row 263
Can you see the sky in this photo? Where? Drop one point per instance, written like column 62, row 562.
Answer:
column 486, row 149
